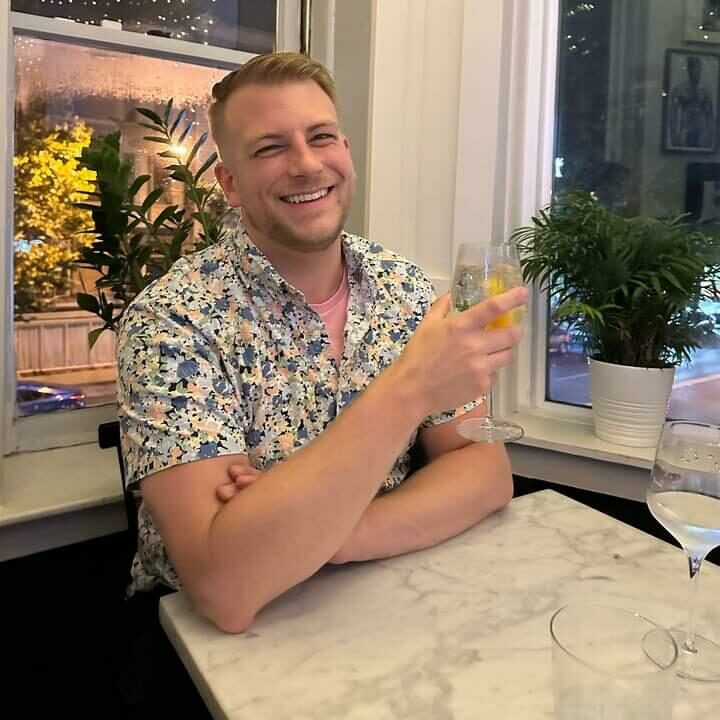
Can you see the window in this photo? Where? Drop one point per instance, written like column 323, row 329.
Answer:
column 236, row 24
column 80, row 70
column 612, row 139
column 65, row 95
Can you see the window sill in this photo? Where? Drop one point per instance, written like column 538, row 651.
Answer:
column 569, row 453
column 578, row 438
column 57, row 497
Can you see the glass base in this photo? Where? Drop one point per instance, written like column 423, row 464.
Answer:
column 702, row 665
column 489, row 430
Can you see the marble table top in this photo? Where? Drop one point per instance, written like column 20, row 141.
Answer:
column 455, row 632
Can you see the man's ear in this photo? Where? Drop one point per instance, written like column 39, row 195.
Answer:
column 227, row 182
column 346, row 142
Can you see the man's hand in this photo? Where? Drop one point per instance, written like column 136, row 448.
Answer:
column 240, row 476
column 452, row 359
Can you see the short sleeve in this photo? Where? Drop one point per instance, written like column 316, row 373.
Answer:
column 177, row 400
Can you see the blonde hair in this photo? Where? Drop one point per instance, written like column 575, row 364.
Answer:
column 268, row 69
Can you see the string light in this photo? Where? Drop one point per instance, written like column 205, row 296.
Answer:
column 189, row 20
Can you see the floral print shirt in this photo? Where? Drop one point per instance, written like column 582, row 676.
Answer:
column 221, row 355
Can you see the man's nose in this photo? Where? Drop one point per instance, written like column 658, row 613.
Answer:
column 303, row 160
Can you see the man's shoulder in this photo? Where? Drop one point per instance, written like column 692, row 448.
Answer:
column 193, row 276
column 196, row 285
column 383, row 261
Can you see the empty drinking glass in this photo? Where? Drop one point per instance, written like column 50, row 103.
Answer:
column 611, row 663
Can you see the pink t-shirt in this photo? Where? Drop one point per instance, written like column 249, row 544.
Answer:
column 334, row 314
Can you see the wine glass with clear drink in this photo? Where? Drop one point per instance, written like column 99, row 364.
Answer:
column 481, row 272
column 684, row 497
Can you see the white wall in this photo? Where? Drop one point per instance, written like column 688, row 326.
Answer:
column 352, row 48
column 432, row 177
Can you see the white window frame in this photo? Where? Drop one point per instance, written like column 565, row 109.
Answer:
column 80, row 426
column 524, row 172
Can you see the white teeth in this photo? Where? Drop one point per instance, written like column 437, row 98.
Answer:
column 307, row 197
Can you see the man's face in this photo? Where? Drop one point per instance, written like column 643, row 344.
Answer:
column 287, row 165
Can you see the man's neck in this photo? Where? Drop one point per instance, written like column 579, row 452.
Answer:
column 316, row 274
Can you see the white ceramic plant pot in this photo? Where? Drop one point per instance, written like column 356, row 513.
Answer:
column 629, row 403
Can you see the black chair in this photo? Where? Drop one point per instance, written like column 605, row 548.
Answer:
column 109, row 437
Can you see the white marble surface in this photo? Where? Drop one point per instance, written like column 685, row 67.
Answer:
column 456, row 632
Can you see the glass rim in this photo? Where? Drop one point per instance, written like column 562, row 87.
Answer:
column 668, row 425
column 691, row 423
column 655, row 666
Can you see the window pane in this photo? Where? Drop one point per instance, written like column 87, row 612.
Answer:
column 237, row 24
column 65, row 95
column 612, row 139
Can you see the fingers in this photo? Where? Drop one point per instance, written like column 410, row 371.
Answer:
column 226, row 492
column 242, row 469
column 240, row 476
column 441, row 307
column 485, row 312
column 494, row 341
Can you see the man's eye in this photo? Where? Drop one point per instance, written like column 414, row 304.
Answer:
column 267, row 150
column 323, row 137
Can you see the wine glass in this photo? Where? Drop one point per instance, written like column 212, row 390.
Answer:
column 483, row 271
column 684, row 497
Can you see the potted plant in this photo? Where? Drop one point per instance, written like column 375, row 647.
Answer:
column 137, row 236
column 630, row 290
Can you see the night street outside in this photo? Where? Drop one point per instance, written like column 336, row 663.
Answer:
column 695, row 395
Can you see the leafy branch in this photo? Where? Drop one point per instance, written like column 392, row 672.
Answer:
column 132, row 245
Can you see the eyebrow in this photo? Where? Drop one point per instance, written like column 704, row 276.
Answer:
column 280, row 136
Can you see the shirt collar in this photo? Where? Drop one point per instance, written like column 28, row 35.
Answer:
column 254, row 264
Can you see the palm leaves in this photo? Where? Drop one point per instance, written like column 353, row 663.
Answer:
column 630, row 287
column 133, row 245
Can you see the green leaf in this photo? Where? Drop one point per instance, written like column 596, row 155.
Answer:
column 151, row 199
column 166, row 214
column 151, row 115
column 93, row 335
column 168, row 108
column 185, row 133
column 194, row 151
column 88, row 302
column 175, row 124
column 157, row 139
column 137, row 184
column 206, row 165
column 182, row 174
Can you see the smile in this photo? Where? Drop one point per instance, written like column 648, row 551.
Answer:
column 307, row 197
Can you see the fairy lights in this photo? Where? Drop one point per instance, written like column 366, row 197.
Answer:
column 222, row 24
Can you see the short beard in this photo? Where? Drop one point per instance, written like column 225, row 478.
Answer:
column 281, row 234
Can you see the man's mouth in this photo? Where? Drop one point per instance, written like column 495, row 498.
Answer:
column 309, row 197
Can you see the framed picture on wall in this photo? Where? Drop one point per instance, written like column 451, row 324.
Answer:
column 691, row 97
column 702, row 21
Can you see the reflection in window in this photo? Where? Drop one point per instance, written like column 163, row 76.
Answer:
column 236, row 24
column 65, row 95
column 614, row 139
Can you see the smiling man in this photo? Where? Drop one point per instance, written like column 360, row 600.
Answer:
column 273, row 385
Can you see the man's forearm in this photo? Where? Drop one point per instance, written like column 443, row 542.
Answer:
column 289, row 522
column 447, row 496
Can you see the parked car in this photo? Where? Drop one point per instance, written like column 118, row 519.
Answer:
column 559, row 339
column 37, row 397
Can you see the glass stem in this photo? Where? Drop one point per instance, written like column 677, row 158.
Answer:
column 489, row 405
column 694, row 563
